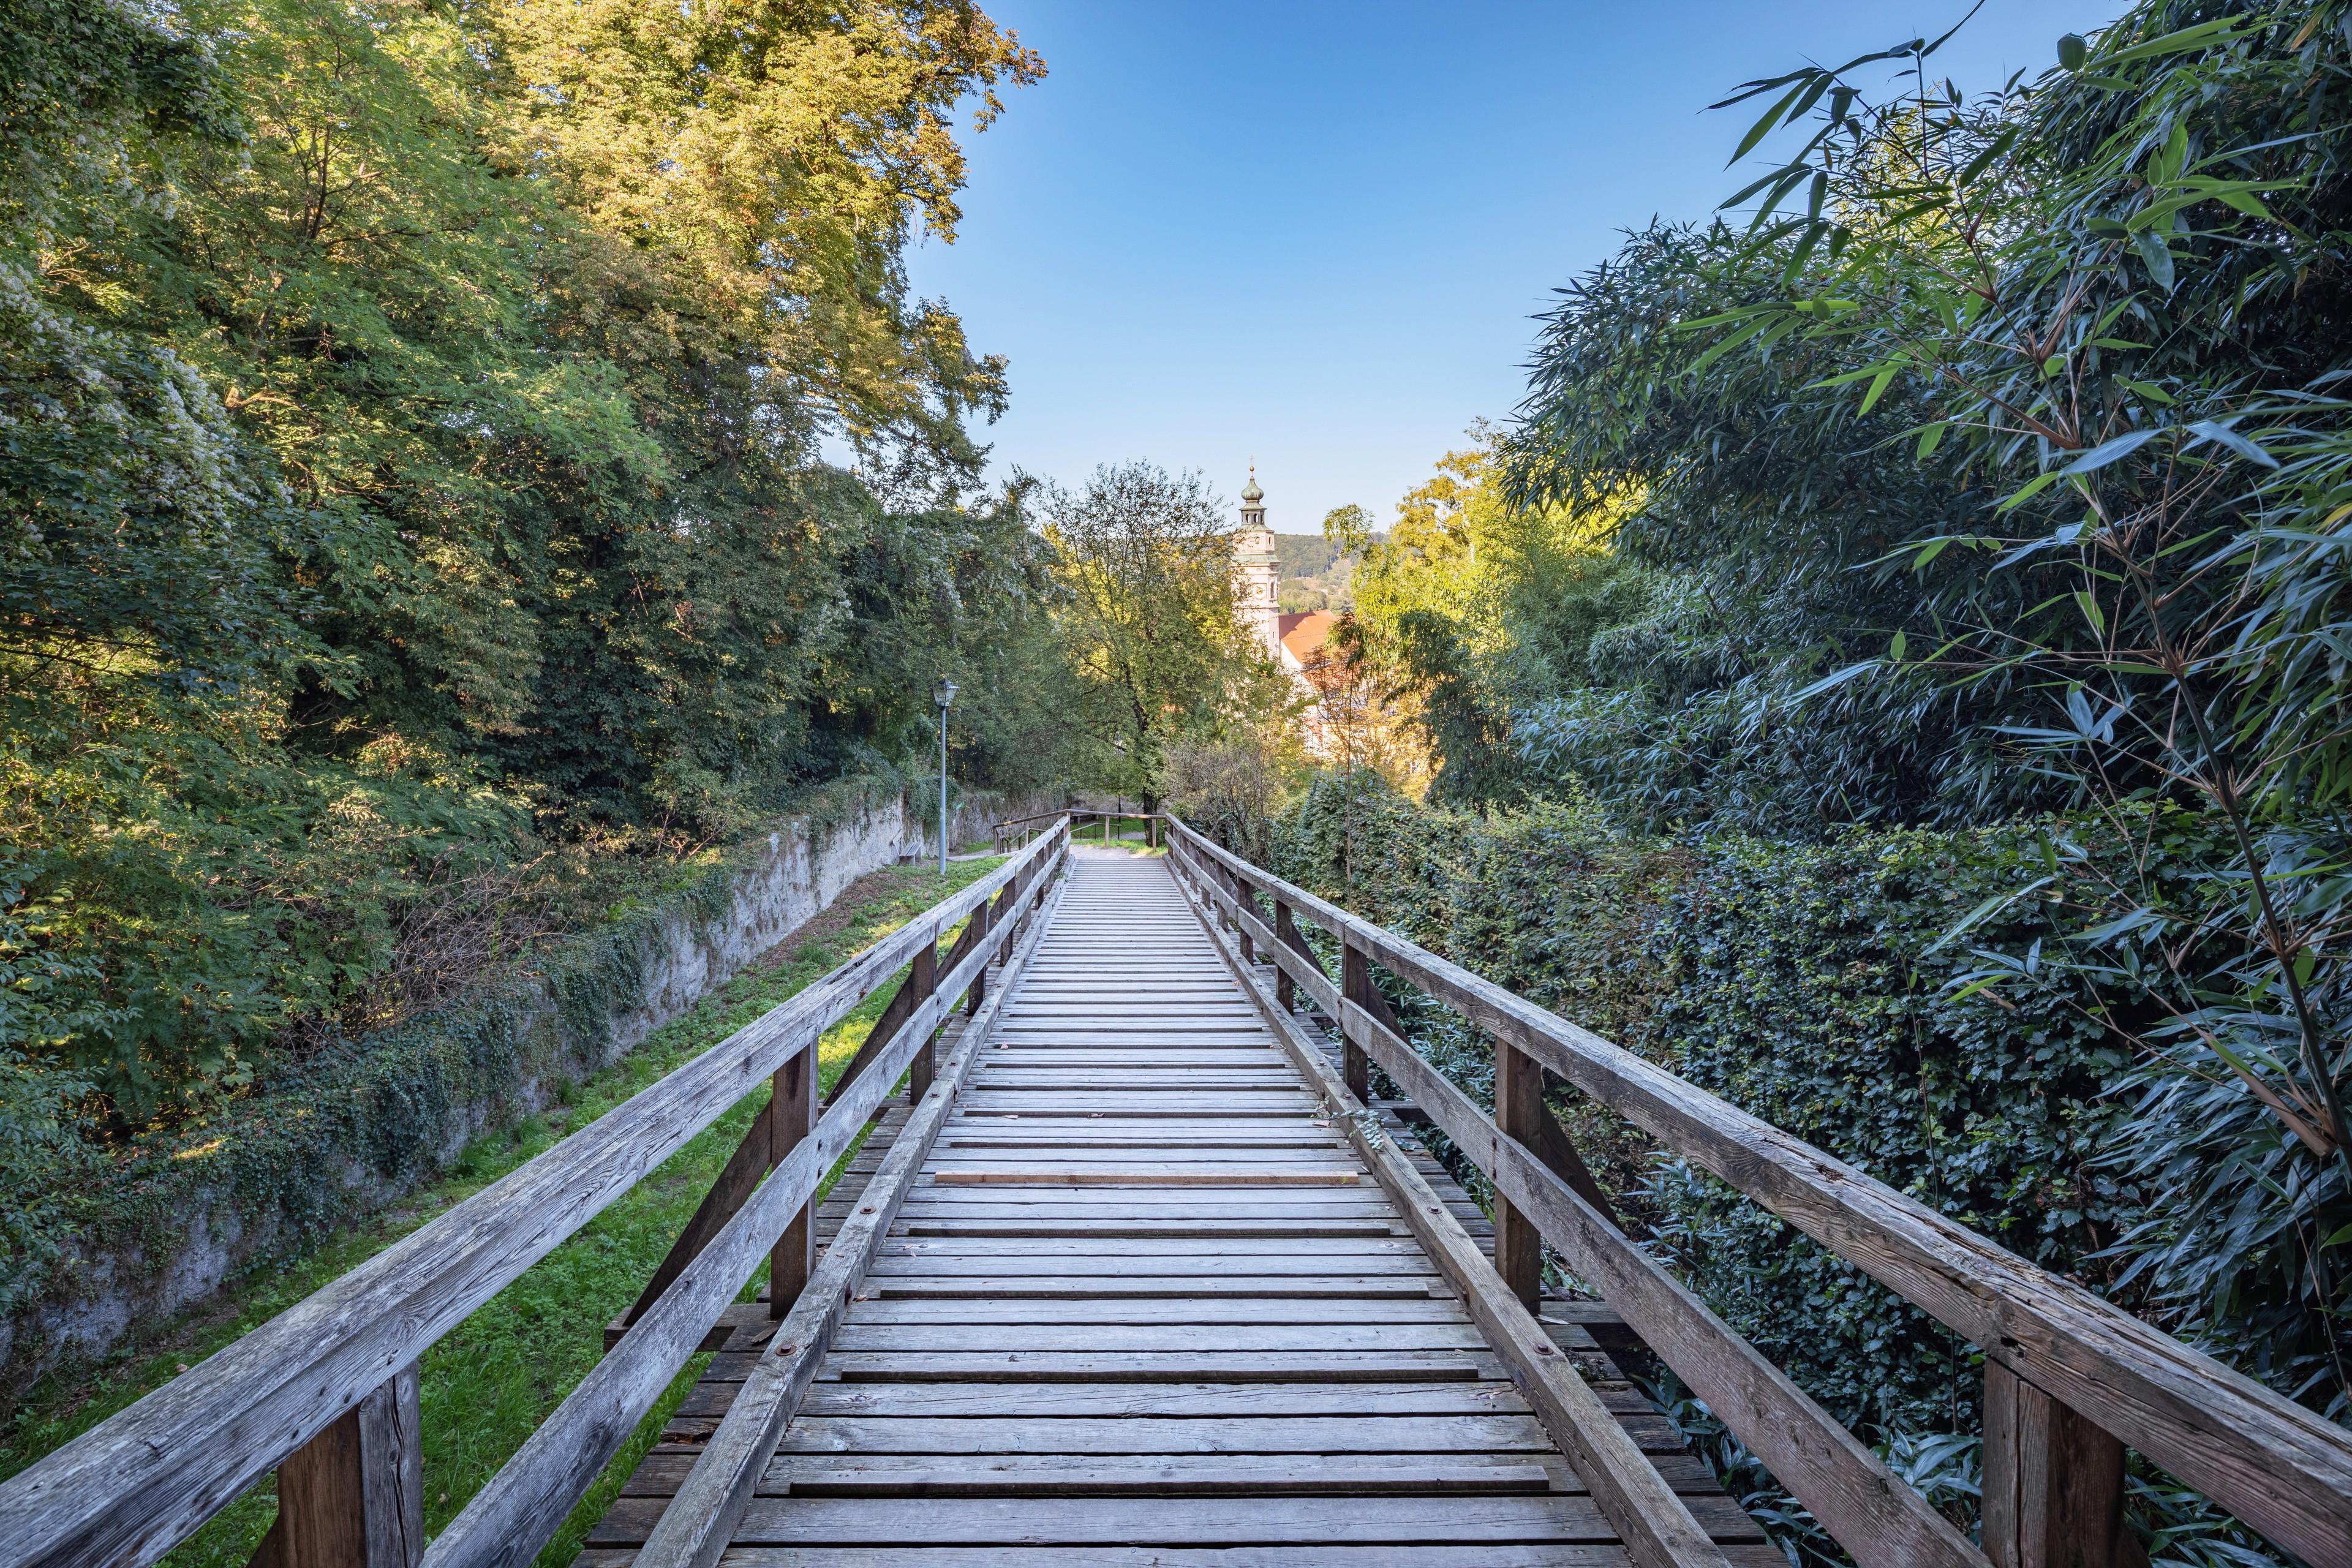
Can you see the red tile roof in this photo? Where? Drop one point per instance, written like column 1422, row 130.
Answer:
column 1303, row 634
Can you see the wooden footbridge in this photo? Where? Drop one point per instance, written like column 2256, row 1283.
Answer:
column 1140, row 1271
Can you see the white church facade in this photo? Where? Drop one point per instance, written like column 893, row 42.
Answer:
column 1294, row 642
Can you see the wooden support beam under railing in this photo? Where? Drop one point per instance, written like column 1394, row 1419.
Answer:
column 354, row 1496
column 2279, row 1467
column 792, row 1111
column 1356, row 986
column 1518, row 1113
column 2054, row 1483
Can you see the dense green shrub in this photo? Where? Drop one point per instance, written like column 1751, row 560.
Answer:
column 1808, row 984
column 1811, row 986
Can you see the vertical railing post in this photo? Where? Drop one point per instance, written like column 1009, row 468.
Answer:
column 792, row 1116
column 2054, row 1483
column 983, row 919
column 354, row 1496
column 1356, row 985
column 1244, row 898
column 924, row 976
column 1286, row 931
column 1519, row 1114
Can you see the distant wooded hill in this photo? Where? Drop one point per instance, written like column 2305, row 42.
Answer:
column 1315, row 576
column 1304, row 554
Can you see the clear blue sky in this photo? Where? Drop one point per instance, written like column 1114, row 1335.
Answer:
column 1314, row 234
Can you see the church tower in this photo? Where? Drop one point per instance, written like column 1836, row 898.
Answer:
column 1256, row 579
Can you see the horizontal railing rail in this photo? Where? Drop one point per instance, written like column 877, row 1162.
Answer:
column 325, row 1391
column 1014, row 827
column 2070, row 1380
column 694, row 1529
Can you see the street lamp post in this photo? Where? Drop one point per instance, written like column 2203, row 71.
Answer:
column 944, row 695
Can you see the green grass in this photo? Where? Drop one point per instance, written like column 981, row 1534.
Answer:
column 500, row 1373
column 1129, row 836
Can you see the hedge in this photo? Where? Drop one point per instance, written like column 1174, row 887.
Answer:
column 1808, row 984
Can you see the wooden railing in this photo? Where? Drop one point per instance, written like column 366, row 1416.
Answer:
column 1109, row 819
column 2070, row 1380
column 326, row 1392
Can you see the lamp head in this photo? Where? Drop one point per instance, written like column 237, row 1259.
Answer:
column 945, row 695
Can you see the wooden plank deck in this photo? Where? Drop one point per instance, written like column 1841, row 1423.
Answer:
column 1144, row 1305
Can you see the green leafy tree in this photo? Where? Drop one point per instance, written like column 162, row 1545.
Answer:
column 1473, row 608
column 414, row 422
column 1996, row 466
column 1148, row 616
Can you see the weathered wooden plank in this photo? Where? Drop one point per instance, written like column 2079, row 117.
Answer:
column 353, row 1496
column 875, row 1307
column 1418, row 1397
column 1204, row 1365
column 1006, row 1289
column 1048, row 1205
column 716, row 1494
column 753, row 1158
column 2281, row 1469
column 1328, row 1475
column 1519, row 1109
column 1382, row 1555
column 792, row 1114
column 1004, row 1436
column 922, row 974
column 1255, row 1249
column 1658, row 1527
column 1180, row 1339
column 1094, row 1229
column 2054, row 1483
column 1209, row 1520
column 1164, row 1176
column 1872, row 1513
column 127, row 1490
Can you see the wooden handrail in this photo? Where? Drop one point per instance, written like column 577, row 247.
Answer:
column 520, row 1509
column 2281, row 1469
column 1655, row 1523
column 132, row 1486
column 697, row 1526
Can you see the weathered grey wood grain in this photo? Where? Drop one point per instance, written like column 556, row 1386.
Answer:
column 1019, row 1523
column 2054, row 1483
column 696, row 1528
column 1006, row 1435
column 1331, row 1475
column 2281, row 1469
column 1655, row 1526
column 1486, row 1555
column 508, row 1520
column 135, row 1485
column 353, row 1496
column 792, row 1114
column 1519, row 1110
column 922, row 973
column 1869, row 1510
column 751, row 1159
